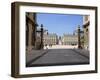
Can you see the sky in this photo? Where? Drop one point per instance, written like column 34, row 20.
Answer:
column 59, row 23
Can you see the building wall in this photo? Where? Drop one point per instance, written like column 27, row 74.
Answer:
column 86, row 23
column 30, row 31
column 50, row 39
column 69, row 39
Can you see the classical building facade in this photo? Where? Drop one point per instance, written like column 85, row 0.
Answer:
column 69, row 39
column 86, row 23
column 30, row 30
column 50, row 39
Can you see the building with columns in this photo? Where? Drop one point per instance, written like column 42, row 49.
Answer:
column 30, row 30
column 69, row 39
column 50, row 39
column 86, row 24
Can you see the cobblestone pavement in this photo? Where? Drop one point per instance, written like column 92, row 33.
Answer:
column 51, row 57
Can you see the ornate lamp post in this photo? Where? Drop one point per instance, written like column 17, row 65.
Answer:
column 41, row 33
column 79, row 37
column 79, row 42
column 41, row 36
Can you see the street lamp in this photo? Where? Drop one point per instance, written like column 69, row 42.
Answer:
column 79, row 37
column 41, row 36
column 42, row 33
column 79, row 42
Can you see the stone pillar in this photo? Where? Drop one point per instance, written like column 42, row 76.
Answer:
column 31, row 31
column 30, row 37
